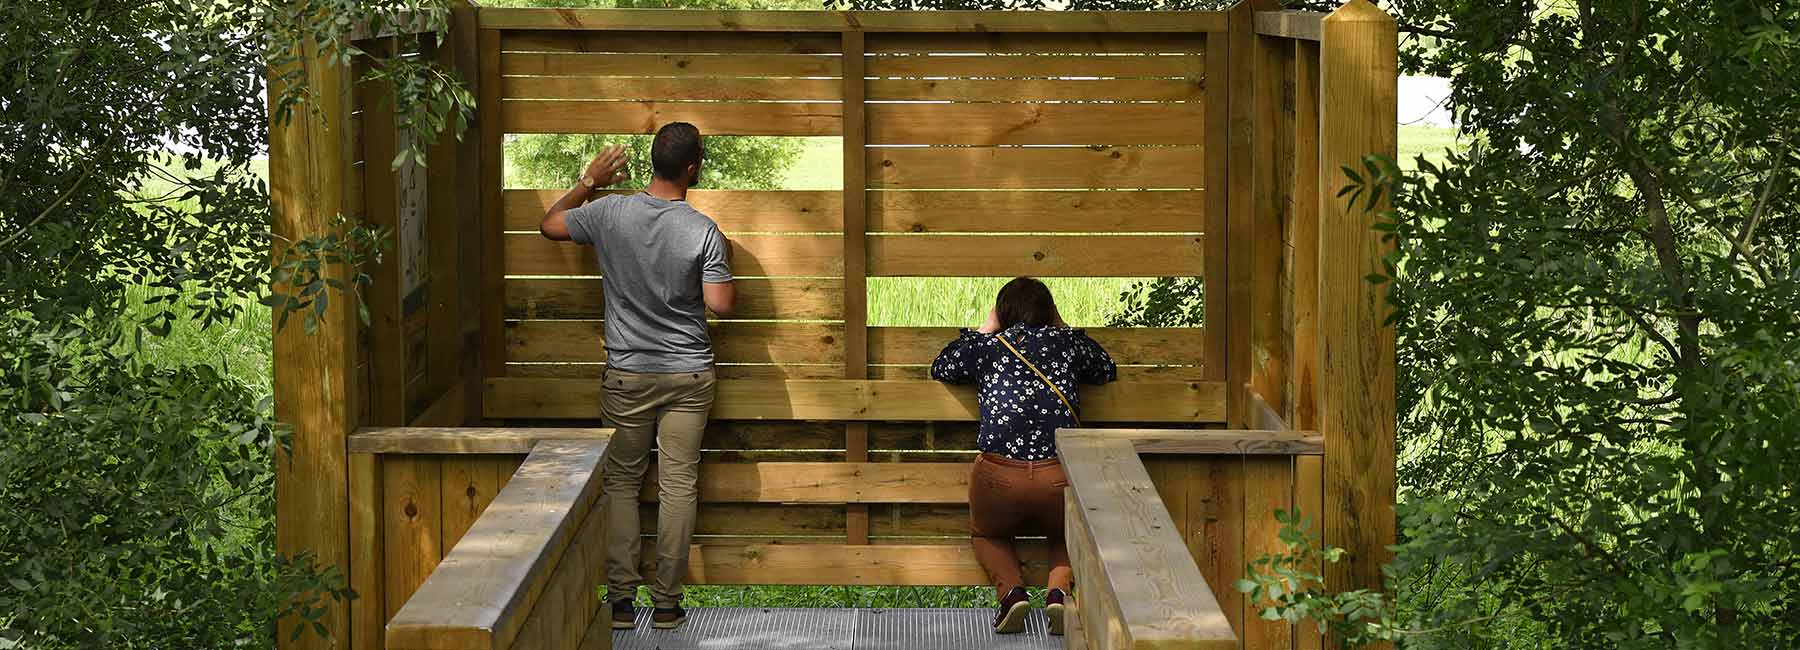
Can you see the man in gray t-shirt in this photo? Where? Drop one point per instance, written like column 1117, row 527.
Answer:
column 663, row 264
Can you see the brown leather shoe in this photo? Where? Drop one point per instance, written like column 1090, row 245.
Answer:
column 624, row 616
column 1013, row 608
column 1054, row 609
column 668, row 618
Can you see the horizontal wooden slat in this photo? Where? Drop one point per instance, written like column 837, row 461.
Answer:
column 1035, row 65
column 463, row 440
column 833, row 564
column 723, row 371
column 757, row 298
column 1027, row 43
column 919, row 519
column 1016, row 90
column 999, row 211
column 875, row 400
column 733, row 342
column 831, row 21
column 976, row 124
column 686, row 88
column 757, row 519
column 1006, row 256
column 1211, row 441
column 1034, row 168
column 1301, row 25
column 735, row 211
column 478, row 598
column 1141, row 345
column 782, row 482
column 752, row 256
column 712, row 118
column 581, row 64
column 669, row 42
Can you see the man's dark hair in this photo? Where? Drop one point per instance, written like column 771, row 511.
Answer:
column 676, row 146
column 1025, row 300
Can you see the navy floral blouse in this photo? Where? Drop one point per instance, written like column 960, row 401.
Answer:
column 1019, row 415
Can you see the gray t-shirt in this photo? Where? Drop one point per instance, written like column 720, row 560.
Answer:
column 654, row 254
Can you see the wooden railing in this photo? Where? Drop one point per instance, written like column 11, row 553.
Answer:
column 523, row 575
column 1137, row 584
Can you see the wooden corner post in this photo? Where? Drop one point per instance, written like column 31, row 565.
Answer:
column 1357, row 118
column 315, row 387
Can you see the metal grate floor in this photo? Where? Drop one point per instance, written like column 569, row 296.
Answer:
column 835, row 629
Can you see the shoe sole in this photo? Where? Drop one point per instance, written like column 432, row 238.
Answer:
column 1055, row 614
column 1014, row 620
column 669, row 625
column 624, row 625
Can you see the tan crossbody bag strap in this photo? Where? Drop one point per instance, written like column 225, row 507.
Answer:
column 1041, row 375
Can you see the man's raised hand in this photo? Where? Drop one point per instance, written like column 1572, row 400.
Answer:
column 609, row 167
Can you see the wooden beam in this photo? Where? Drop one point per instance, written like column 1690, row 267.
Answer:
column 735, row 211
column 315, row 387
column 1357, row 78
column 845, row 564
column 848, row 483
column 1263, row 416
column 856, row 258
column 1298, row 25
column 871, row 400
column 368, row 612
column 488, row 115
column 1211, row 441
column 1135, row 565
column 480, row 596
column 837, row 21
column 463, row 440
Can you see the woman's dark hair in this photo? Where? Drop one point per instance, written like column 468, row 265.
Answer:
column 1025, row 300
column 676, row 146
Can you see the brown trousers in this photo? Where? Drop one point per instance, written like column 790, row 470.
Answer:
column 669, row 410
column 1009, row 498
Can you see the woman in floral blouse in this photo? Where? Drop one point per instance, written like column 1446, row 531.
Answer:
column 1027, row 363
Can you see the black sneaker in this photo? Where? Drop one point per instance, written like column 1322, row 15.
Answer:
column 668, row 618
column 1053, row 610
column 624, row 616
column 1013, row 608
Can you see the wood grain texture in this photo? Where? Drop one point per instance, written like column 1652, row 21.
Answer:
column 641, row 117
column 1216, row 527
column 1269, row 336
column 667, row 89
column 560, row 370
column 1142, row 570
column 1210, row 441
column 463, row 440
column 315, row 390
column 1309, row 499
column 1191, row 66
column 1218, row 205
column 1030, row 43
column 735, row 211
column 733, row 341
column 1242, row 149
column 747, row 520
column 751, row 256
column 582, row 64
column 493, row 244
column 368, row 613
column 856, row 258
column 1268, row 487
column 561, row 615
column 381, row 204
column 1357, row 75
column 1013, row 123
column 847, row 482
column 1135, row 345
column 873, row 400
column 901, row 168
column 470, row 483
column 486, row 588
column 412, row 525
column 1262, row 415
column 834, row 564
column 836, row 21
column 559, row 40
column 1303, row 235
column 757, row 298
column 1300, row 25
column 1183, row 89
column 1009, row 255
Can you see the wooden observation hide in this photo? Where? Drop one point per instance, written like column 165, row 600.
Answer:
column 446, row 456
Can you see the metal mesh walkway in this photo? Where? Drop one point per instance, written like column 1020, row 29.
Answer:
column 835, row 629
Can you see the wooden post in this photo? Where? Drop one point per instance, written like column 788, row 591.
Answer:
column 381, row 204
column 1357, row 118
column 493, row 286
column 856, row 265
column 315, row 391
column 466, row 47
column 1303, row 231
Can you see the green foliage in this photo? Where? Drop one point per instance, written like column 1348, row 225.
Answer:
column 732, row 162
column 1287, row 587
column 133, row 218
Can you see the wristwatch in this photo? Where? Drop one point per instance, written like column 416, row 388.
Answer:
column 587, row 181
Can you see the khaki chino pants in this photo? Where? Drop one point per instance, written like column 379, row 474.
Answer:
column 671, row 411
